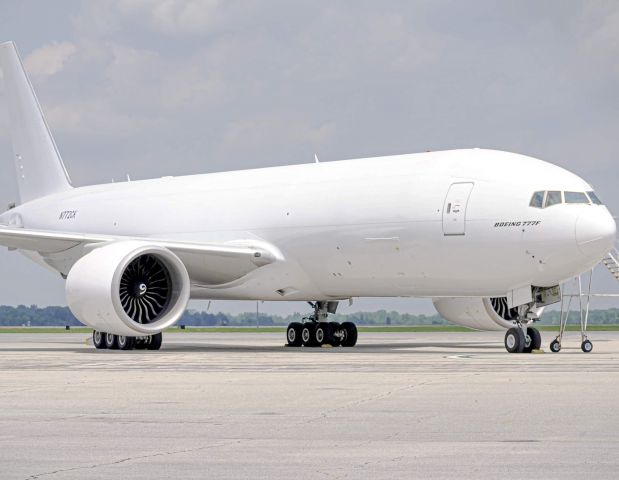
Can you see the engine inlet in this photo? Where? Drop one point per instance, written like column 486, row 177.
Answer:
column 145, row 289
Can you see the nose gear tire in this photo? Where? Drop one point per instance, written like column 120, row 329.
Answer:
column 515, row 340
column 534, row 340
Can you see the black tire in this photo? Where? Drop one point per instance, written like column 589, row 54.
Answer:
column 293, row 334
column 141, row 343
column 535, row 340
column 514, row 340
column 322, row 334
column 111, row 341
column 334, row 338
column 555, row 346
column 155, row 341
column 350, row 334
column 98, row 340
column 586, row 346
column 307, row 334
column 125, row 343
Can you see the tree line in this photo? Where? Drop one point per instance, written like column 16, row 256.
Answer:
column 35, row 316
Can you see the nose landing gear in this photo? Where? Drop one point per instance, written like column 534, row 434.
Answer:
column 522, row 338
column 519, row 340
column 316, row 331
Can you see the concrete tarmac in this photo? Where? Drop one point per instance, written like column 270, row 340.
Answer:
column 229, row 406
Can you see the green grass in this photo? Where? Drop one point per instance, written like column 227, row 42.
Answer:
column 44, row 330
column 379, row 329
column 576, row 328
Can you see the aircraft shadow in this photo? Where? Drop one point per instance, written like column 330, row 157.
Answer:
column 393, row 348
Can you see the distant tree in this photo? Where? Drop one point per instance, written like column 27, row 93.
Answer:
column 61, row 316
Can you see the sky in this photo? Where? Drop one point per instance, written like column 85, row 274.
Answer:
column 163, row 87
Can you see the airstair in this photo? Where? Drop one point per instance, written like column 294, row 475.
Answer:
column 611, row 262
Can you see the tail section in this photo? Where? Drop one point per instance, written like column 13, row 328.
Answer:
column 40, row 170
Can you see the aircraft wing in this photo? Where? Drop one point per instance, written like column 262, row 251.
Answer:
column 44, row 241
column 239, row 259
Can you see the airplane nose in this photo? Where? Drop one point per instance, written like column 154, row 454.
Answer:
column 595, row 232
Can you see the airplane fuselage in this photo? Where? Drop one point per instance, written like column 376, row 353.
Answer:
column 454, row 223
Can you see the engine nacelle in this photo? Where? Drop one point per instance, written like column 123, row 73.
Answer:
column 128, row 288
column 478, row 313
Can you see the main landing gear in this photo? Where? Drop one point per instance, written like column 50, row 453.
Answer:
column 102, row 340
column 522, row 338
column 316, row 331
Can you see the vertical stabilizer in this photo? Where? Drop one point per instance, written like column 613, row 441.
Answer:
column 40, row 170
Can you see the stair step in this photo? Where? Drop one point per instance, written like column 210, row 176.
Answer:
column 611, row 262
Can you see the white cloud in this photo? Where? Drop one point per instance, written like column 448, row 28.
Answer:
column 49, row 59
column 600, row 45
column 94, row 118
column 172, row 16
column 273, row 130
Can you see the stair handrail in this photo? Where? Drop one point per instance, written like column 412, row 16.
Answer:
column 613, row 255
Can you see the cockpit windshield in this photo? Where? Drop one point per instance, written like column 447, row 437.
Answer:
column 594, row 198
column 552, row 198
column 537, row 200
column 545, row 199
column 576, row 197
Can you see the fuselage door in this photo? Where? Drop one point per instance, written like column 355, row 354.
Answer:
column 454, row 209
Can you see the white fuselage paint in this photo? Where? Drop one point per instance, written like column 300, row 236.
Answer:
column 370, row 227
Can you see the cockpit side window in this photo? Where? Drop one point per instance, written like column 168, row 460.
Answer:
column 537, row 200
column 553, row 198
column 576, row 197
column 594, row 198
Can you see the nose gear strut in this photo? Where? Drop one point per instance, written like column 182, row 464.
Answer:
column 523, row 338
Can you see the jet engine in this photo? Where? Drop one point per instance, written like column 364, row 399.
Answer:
column 128, row 288
column 478, row 313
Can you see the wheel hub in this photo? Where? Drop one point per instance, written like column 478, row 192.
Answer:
column 511, row 341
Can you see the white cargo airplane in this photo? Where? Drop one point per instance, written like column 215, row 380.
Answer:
column 489, row 235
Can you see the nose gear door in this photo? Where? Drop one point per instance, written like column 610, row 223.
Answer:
column 454, row 209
